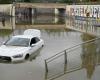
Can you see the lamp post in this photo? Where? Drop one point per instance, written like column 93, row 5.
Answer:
column 13, row 15
column 13, row 7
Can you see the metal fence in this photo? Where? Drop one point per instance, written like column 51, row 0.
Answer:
column 73, row 59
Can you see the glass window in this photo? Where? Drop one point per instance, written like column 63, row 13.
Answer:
column 15, row 41
column 34, row 40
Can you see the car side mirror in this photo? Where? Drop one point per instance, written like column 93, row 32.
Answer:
column 3, row 43
column 32, row 45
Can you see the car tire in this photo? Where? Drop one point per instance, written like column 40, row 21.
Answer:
column 27, row 56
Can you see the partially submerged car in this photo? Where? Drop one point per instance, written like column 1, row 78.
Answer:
column 20, row 47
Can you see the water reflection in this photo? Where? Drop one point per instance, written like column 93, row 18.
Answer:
column 7, row 22
column 40, row 19
column 58, row 32
column 89, row 56
column 5, row 34
column 86, row 25
column 84, row 57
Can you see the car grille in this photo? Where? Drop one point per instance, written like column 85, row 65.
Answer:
column 5, row 58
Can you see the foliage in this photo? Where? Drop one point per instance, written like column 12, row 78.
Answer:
column 60, row 1
column 66, row 1
column 26, row 0
column 5, row 1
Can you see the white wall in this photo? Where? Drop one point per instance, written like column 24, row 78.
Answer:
column 81, row 10
column 6, row 8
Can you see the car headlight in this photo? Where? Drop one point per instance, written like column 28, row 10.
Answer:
column 18, row 56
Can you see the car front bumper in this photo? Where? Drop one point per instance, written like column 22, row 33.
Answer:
column 10, row 59
column 5, row 58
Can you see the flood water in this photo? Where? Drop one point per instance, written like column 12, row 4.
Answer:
column 83, row 62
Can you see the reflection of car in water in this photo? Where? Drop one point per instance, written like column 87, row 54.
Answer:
column 20, row 47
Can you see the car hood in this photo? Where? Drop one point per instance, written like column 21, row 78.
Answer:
column 12, row 50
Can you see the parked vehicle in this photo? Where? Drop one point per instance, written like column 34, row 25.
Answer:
column 20, row 47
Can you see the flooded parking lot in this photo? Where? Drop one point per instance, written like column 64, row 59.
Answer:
column 55, row 41
column 86, row 63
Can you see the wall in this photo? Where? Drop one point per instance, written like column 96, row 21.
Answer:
column 6, row 8
column 82, row 10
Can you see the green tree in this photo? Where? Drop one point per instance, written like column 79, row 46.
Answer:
column 66, row 1
column 27, row 0
column 5, row 1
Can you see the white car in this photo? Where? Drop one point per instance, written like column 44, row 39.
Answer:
column 20, row 47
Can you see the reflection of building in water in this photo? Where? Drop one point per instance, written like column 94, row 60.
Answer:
column 7, row 23
column 78, row 22
column 89, row 56
column 3, row 21
column 86, row 25
column 98, row 51
column 5, row 34
column 40, row 19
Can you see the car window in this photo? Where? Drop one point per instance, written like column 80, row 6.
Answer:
column 37, row 39
column 34, row 40
column 15, row 41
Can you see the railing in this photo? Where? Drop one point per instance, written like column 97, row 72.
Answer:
column 64, row 55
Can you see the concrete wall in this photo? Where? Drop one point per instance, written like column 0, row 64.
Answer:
column 76, row 10
column 9, row 10
column 6, row 8
column 82, row 10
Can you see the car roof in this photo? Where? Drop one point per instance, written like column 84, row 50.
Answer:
column 33, row 32
column 30, row 33
column 24, row 36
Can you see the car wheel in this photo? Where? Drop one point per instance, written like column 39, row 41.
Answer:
column 27, row 56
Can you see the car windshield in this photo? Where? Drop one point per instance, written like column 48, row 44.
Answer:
column 15, row 41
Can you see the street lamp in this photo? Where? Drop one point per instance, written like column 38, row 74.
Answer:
column 13, row 15
column 13, row 7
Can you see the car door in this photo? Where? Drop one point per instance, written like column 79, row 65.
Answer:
column 34, row 44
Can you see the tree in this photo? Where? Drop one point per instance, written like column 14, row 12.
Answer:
column 27, row 0
column 66, row 1
column 5, row 1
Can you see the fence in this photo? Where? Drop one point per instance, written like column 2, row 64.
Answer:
column 73, row 59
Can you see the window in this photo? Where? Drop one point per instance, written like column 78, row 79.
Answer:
column 16, row 41
column 34, row 40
